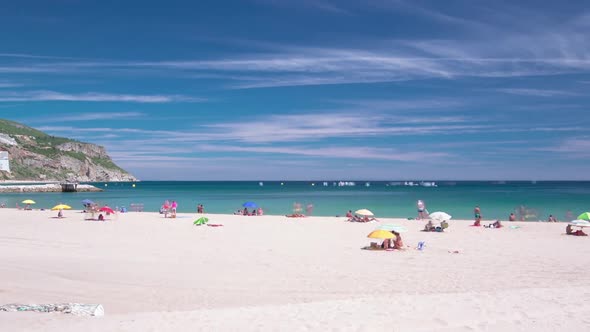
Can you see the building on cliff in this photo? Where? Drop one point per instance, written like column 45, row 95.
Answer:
column 4, row 163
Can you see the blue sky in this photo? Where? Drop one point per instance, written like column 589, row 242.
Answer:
column 272, row 89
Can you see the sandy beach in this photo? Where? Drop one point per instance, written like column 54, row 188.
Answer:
column 272, row 273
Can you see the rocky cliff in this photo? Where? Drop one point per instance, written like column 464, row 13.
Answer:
column 37, row 156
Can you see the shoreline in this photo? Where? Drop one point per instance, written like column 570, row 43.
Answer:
column 43, row 188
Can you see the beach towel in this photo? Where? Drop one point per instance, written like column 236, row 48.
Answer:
column 76, row 309
column 201, row 221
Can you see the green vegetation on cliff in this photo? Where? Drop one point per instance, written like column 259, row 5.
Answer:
column 39, row 156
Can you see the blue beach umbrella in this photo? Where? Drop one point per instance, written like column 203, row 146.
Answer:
column 87, row 202
column 250, row 205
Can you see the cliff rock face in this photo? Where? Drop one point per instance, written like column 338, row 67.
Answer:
column 36, row 156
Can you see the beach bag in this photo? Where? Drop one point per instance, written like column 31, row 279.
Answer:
column 421, row 245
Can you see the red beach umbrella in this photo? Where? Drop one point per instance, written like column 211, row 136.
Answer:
column 106, row 209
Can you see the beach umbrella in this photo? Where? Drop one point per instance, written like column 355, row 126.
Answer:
column 106, row 209
column 392, row 227
column 87, row 202
column 250, row 205
column 364, row 212
column 381, row 234
column 28, row 201
column 440, row 216
column 201, row 221
column 61, row 207
column 583, row 216
column 580, row 223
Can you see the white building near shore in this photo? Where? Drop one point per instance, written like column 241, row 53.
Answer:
column 4, row 162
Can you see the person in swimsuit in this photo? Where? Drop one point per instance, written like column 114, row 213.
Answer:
column 429, row 227
column 421, row 209
column 477, row 213
column 397, row 242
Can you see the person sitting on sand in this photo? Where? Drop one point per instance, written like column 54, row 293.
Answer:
column 355, row 218
column 349, row 214
column 100, row 217
column 246, row 213
column 429, row 227
column 512, row 217
column 551, row 218
column 397, row 243
column 569, row 230
column 60, row 214
column 496, row 224
column 386, row 244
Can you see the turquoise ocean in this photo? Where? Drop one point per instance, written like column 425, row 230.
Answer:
column 531, row 200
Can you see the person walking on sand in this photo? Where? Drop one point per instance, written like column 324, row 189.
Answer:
column 309, row 209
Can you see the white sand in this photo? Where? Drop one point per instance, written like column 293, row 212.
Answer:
column 279, row 274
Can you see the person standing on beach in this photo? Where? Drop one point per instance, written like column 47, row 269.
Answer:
column 477, row 214
column 309, row 209
column 173, row 207
column 422, row 213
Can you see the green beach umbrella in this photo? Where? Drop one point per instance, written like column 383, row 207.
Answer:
column 201, row 221
column 584, row 216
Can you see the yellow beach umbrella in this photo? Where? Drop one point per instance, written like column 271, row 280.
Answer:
column 381, row 234
column 364, row 212
column 61, row 207
column 28, row 201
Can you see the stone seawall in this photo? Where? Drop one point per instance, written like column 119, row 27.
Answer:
column 43, row 188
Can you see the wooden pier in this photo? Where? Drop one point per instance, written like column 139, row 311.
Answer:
column 69, row 187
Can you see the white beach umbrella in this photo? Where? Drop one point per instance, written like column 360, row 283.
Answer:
column 440, row 216
column 393, row 227
column 364, row 213
column 580, row 223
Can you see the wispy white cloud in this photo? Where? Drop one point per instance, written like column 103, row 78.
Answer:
column 91, row 116
column 27, row 96
column 318, row 5
column 349, row 152
column 577, row 147
column 32, row 56
column 4, row 84
column 538, row 92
